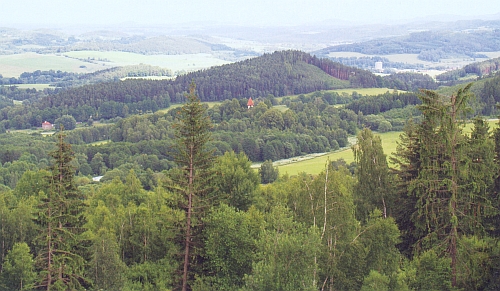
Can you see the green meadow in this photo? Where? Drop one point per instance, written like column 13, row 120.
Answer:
column 74, row 61
column 362, row 91
column 185, row 62
column 33, row 86
column 316, row 165
column 15, row 65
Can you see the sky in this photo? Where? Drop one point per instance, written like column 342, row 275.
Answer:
column 59, row 13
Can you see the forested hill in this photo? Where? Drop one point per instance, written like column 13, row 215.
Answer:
column 280, row 73
column 479, row 69
column 429, row 45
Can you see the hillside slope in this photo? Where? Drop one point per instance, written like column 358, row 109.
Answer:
column 280, row 73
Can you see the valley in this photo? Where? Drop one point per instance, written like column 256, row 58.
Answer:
column 327, row 156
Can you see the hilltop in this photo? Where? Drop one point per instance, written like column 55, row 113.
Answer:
column 278, row 74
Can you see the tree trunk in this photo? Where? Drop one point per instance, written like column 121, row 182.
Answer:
column 187, row 241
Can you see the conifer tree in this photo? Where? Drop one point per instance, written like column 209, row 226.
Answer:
column 447, row 203
column 192, row 154
column 60, row 215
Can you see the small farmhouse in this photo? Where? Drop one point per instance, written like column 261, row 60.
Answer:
column 47, row 125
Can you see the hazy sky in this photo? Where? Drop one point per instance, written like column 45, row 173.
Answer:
column 258, row 12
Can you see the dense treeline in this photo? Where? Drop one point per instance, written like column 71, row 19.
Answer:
column 410, row 81
column 383, row 102
column 67, row 79
column 309, row 125
column 479, row 69
column 279, row 74
column 429, row 224
column 368, row 63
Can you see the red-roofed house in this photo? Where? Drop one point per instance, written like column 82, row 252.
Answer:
column 47, row 125
column 250, row 103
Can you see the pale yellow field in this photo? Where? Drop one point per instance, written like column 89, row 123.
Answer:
column 413, row 59
column 187, row 62
column 31, row 86
column 389, row 142
column 15, row 65
column 316, row 165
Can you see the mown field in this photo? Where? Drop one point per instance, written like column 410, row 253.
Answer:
column 185, row 62
column 316, row 165
column 15, row 65
column 35, row 86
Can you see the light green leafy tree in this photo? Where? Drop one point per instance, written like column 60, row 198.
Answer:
column 268, row 173
column 106, row 268
column 376, row 282
column 373, row 189
column 19, row 268
column 286, row 255
column 230, row 247
column 235, row 182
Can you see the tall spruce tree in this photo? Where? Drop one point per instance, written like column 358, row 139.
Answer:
column 192, row 154
column 407, row 166
column 60, row 215
column 446, row 205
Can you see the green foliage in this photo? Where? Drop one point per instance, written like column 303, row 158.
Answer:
column 106, row 267
column 286, row 255
column 148, row 276
column 60, row 217
column 235, row 181
column 31, row 183
column 375, row 282
column 380, row 237
column 431, row 272
column 268, row 173
column 192, row 154
column 18, row 269
column 67, row 122
column 272, row 119
column 373, row 189
column 230, row 246
column 326, row 202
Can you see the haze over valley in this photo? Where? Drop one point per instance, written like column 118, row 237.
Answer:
column 249, row 145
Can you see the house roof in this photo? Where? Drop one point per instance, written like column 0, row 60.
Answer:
column 250, row 102
column 46, row 123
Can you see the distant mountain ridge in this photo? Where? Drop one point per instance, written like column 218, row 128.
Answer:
column 429, row 45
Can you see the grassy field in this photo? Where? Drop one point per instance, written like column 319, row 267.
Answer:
column 176, row 105
column 363, row 91
column 15, row 65
column 31, row 86
column 187, row 62
column 316, row 165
